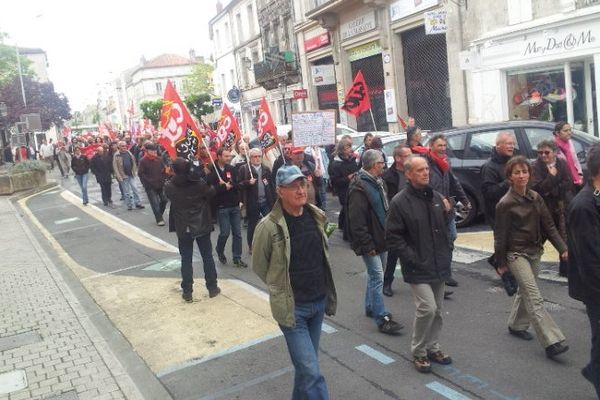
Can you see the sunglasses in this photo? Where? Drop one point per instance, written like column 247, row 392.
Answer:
column 544, row 152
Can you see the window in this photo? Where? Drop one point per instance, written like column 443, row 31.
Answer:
column 240, row 32
column 482, row 143
column 227, row 33
column 456, row 143
column 250, row 19
column 217, row 38
column 536, row 135
column 519, row 11
column 158, row 87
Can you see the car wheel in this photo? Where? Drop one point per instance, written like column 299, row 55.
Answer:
column 464, row 216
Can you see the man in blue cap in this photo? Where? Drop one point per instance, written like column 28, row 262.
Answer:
column 292, row 238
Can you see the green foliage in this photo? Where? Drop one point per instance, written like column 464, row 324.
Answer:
column 151, row 110
column 200, row 81
column 28, row 165
column 199, row 105
column 8, row 63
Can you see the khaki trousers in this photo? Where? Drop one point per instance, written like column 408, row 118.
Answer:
column 528, row 306
column 428, row 299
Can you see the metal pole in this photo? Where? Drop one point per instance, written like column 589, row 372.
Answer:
column 20, row 75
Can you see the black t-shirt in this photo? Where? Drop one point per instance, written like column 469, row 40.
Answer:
column 307, row 258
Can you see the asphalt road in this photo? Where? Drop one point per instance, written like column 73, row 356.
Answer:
column 229, row 347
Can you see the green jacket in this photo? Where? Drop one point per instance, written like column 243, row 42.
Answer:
column 271, row 262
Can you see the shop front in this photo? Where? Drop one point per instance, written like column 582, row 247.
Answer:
column 547, row 73
column 322, row 70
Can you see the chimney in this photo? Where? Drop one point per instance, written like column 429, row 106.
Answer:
column 219, row 6
column 192, row 54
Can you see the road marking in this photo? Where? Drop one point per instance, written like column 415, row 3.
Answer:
column 171, row 264
column 377, row 355
column 446, row 391
column 51, row 192
column 113, row 272
column 241, row 386
column 467, row 256
column 75, row 229
column 13, row 381
column 66, row 220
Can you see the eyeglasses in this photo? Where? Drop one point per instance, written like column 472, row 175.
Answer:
column 544, row 152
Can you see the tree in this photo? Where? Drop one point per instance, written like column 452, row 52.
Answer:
column 151, row 110
column 9, row 65
column 200, row 81
column 199, row 105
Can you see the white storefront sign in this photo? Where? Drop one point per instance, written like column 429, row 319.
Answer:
column 362, row 24
column 322, row 75
column 435, row 22
column 391, row 115
column 404, row 8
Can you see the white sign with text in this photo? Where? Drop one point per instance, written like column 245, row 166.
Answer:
column 314, row 128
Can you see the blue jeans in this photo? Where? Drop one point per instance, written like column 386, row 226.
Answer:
column 230, row 221
column 374, row 294
column 158, row 202
column 323, row 194
column 303, row 346
column 131, row 194
column 452, row 232
column 186, row 250
column 83, row 180
column 593, row 368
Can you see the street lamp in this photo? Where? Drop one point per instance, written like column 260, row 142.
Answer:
column 283, row 89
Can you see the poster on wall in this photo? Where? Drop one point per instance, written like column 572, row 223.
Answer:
column 390, row 105
column 403, row 8
column 322, row 75
column 435, row 22
column 314, row 128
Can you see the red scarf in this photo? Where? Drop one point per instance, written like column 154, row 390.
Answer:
column 419, row 150
column 150, row 156
column 441, row 162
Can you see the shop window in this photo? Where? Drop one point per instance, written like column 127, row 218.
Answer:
column 538, row 95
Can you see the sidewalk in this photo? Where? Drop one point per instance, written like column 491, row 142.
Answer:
column 48, row 347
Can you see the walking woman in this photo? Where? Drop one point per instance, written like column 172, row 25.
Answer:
column 552, row 180
column 341, row 170
column 566, row 151
column 81, row 166
column 522, row 224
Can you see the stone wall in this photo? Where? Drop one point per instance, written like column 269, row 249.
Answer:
column 11, row 183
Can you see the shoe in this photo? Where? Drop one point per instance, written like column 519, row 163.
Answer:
column 187, row 296
column 214, row 292
column 161, row 223
column 122, row 199
column 387, row 289
column 556, row 349
column 439, row 357
column 369, row 313
column 389, row 326
column 422, row 364
column 105, row 204
column 129, row 208
column 451, row 282
column 85, row 204
column 222, row 258
column 139, row 207
column 587, row 374
column 239, row 264
column 521, row 334
column 447, row 294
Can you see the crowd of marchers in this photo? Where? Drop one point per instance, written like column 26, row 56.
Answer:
column 402, row 214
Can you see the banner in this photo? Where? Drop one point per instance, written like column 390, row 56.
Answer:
column 267, row 131
column 357, row 99
column 228, row 130
column 90, row 150
column 180, row 136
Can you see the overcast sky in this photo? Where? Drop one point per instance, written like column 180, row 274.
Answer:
column 87, row 40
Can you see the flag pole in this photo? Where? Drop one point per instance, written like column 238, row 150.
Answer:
column 211, row 159
column 249, row 167
column 373, row 119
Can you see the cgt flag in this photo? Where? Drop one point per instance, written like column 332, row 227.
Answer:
column 267, row 131
column 180, row 136
column 357, row 100
column 228, row 130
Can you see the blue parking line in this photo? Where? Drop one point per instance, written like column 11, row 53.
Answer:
column 446, row 391
column 377, row 355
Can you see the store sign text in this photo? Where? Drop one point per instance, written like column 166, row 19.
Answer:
column 553, row 44
column 362, row 24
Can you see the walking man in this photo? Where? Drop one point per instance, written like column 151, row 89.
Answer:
column 367, row 208
column 425, row 254
column 190, row 218
column 225, row 180
column 291, row 256
column 153, row 176
column 81, row 167
column 101, row 166
column 584, row 258
column 125, row 170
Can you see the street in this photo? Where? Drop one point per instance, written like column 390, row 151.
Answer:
column 229, row 347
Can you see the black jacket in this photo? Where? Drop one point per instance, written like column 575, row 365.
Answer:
column 80, row 165
column 446, row 183
column 190, row 206
column 493, row 184
column 584, row 245
column 417, row 229
column 339, row 169
column 250, row 192
column 364, row 228
column 101, row 166
column 225, row 198
column 394, row 180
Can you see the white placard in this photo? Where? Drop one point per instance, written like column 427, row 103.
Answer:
column 314, row 128
column 435, row 22
column 322, row 74
column 362, row 24
column 404, row 8
column 390, row 105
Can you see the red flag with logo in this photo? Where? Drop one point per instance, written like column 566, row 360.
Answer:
column 228, row 130
column 90, row 150
column 267, row 131
column 357, row 99
column 179, row 134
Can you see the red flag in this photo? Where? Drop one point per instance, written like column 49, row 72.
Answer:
column 228, row 131
column 66, row 132
column 402, row 123
column 267, row 131
column 90, row 150
column 180, row 136
column 357, row 99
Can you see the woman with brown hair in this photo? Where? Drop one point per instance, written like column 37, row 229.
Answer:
column 522, row 224
column 552, row 180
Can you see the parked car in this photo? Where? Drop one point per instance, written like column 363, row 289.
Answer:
column 389, row 142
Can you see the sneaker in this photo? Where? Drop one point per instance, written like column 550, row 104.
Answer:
column 439, row 357
column 556, row 349
column 187, row 296
column 129, row 208
column 161, row 223
column 214, row 292
column 447, row 294
column 105, row 204
column 389, row 326
column 451, row 282
column 222, row 258
column 239, row 264
column 139, row 206
column 422, row 364
column 369, row 313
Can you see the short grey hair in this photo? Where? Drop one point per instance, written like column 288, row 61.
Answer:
column 370, row 158
column 255, row 152
column 408, row 163
column 502, row 135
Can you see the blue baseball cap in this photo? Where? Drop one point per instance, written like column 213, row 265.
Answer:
column 288, row 174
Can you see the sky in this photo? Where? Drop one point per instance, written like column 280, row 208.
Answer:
column 88, row 43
